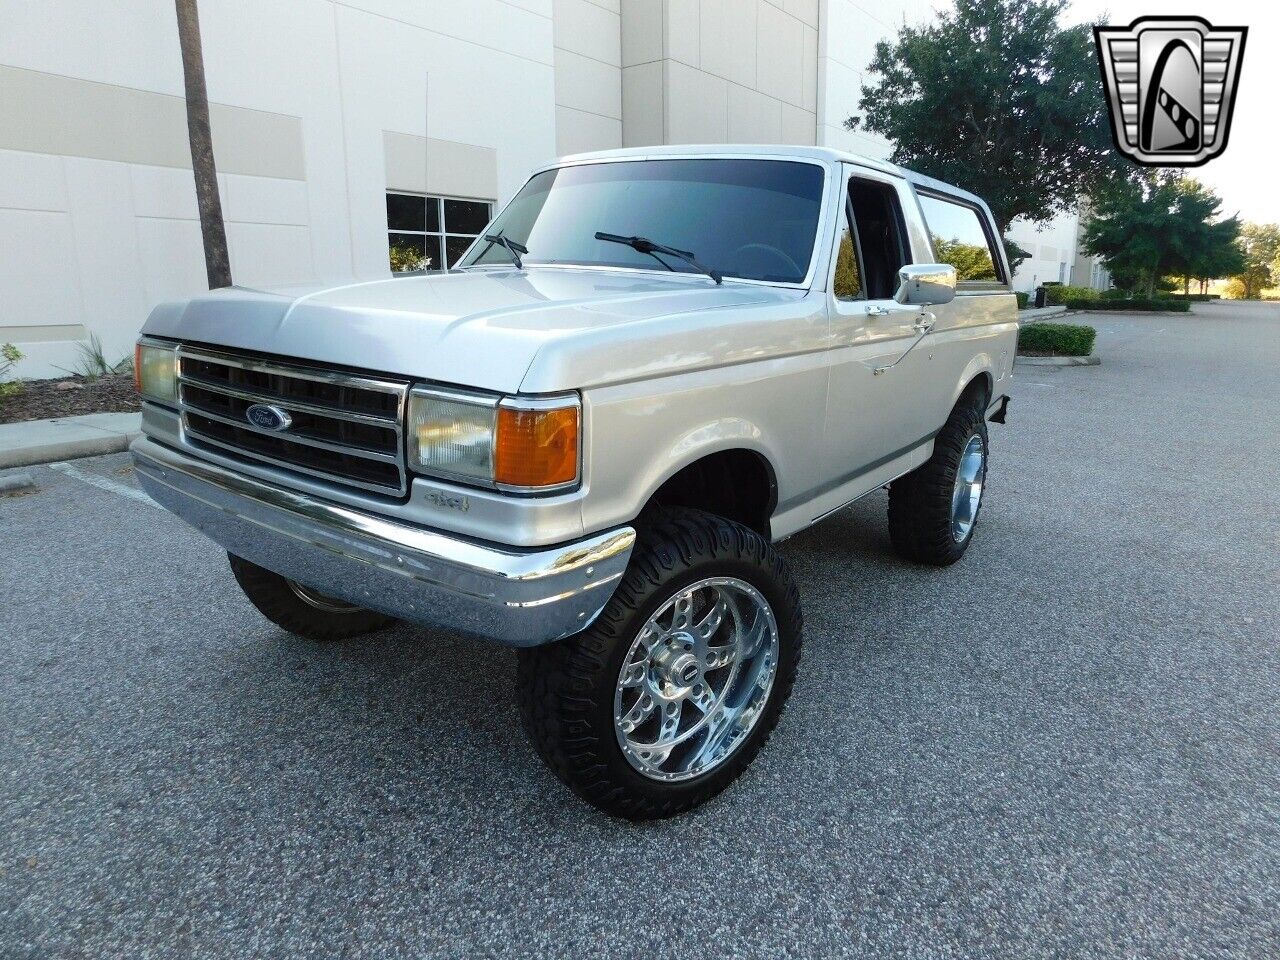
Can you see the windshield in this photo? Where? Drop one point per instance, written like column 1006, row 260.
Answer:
column 754, row 219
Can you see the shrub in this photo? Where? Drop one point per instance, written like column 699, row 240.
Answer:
column 1057, row 294
column 1132, row 306
column 1062, row 339
column 9, row 355
column 1023, row 300
column 1115, row 293
column 1193, row 297
column 94, row 363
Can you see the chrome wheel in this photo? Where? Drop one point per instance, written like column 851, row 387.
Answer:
column 967, row 494
column 696, row 679
column 319, row 600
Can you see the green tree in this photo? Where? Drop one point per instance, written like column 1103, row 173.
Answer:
column 1156, row 225
column 1201, row 244
column 999, row 98
column 1260, row 251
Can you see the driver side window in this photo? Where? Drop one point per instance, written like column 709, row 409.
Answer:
column 872, row 245
column 881, row 235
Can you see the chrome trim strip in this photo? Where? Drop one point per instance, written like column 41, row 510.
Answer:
column 286, row 435
column 196, row 438
column 289, row 370
column 315, row 409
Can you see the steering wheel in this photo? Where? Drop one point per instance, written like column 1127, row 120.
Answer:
column 793, row 268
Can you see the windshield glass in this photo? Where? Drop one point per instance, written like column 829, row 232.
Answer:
column 754, row 219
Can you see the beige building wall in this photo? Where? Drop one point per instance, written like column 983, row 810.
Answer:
column 588, row 68
column 719, row 71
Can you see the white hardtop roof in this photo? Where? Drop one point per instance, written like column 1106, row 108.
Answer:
column 771, row 152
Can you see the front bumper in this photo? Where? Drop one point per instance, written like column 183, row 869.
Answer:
column 516, row 597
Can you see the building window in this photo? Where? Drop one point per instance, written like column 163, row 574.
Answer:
column 425, row 233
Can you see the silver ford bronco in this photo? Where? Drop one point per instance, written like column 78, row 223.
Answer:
column 585, row 439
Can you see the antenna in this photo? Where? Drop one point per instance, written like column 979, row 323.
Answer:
column 441, row 248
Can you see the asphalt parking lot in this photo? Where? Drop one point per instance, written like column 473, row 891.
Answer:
column 1066, row 745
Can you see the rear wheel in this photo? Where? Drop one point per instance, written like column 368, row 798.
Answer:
column 300, row 609
column 933, row 509
column 666, row 699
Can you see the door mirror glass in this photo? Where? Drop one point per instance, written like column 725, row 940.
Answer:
column 926, row 284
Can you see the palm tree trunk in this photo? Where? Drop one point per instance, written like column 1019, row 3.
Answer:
column 217, row 262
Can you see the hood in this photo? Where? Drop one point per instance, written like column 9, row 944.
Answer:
column 509, row 331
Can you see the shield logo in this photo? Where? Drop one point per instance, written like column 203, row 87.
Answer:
column 1171, row 87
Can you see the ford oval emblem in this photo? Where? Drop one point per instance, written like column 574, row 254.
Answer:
column 268, row 417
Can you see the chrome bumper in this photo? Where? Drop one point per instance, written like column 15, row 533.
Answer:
column 520, row 598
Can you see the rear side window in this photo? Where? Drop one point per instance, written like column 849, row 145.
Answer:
column 960, row 239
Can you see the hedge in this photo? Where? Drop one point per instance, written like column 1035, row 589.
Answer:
column 1023, row 299
column 1132, row 306
column 1193, row 297
column 1062, row 339
column 1056, row 294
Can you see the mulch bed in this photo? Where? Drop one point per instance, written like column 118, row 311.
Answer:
column 70, row 397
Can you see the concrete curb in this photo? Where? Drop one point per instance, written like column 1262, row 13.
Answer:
column 66, row 438
column 1090, row 361
column 1033, row 314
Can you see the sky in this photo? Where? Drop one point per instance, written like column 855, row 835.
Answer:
column 1247, row 174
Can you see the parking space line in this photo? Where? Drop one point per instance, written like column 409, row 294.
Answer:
column 103, row 483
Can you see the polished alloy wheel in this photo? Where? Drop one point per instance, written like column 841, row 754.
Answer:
column 696, row 679
column 967, row 494
column 319, row 600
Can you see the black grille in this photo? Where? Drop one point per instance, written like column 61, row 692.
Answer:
column 342, row 426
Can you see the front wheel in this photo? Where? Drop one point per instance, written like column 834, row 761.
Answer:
column 300, row 609
column 666, row 699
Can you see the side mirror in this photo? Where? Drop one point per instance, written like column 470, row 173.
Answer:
column 926, row 284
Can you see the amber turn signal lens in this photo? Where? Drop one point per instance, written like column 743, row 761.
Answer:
column 536, row 448
column 137, row 368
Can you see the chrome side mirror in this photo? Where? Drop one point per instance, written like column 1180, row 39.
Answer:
column 926, row 284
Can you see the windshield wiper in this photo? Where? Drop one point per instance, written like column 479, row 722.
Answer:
column 645, row 245
column 513, row 248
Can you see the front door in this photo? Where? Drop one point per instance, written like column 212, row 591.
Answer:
column 874, row 418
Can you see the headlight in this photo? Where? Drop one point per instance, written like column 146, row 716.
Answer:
column 155, row 371
column 514, row 443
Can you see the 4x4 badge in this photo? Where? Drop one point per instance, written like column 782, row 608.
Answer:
column 1171, row 86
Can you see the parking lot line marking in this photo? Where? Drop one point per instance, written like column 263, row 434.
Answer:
column 103, row 483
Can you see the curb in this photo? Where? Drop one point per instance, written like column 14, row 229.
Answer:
column 34, row 442
column 1036, row 314
column 1090, row 361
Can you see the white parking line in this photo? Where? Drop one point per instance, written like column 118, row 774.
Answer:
column 103, row 483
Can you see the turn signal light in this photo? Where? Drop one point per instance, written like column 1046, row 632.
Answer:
column 536, row 447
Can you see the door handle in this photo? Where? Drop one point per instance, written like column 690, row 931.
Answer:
column 877, row 311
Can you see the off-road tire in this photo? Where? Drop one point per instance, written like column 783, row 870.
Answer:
column 566, row 689
column 920, row 502
column 277, row 601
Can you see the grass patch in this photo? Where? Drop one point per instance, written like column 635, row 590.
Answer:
column 1057, row 339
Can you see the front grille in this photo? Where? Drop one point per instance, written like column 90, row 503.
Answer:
column 343, row 427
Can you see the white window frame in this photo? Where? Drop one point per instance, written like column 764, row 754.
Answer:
column 443, row 233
